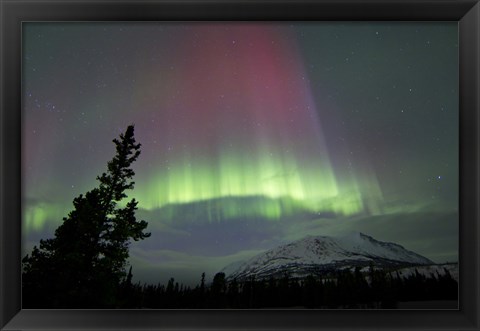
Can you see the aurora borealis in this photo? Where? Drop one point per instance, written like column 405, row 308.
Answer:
column 253, row 134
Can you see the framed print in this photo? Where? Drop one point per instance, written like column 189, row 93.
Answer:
column 272, row 165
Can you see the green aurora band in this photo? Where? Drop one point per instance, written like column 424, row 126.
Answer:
column 242, row 135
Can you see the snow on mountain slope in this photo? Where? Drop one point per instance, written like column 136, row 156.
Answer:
column 429, row 270
column 322, row 254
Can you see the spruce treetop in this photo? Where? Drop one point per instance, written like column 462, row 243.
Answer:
column 85, row 261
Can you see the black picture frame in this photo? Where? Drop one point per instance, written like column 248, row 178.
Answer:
column 14, row 12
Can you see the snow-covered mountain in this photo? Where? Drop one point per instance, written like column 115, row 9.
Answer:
column 323, row 254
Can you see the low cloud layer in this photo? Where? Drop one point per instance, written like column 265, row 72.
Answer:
column 185, row 249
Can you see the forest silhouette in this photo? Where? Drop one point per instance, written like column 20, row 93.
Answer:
column 344, row 289
column 84, row 265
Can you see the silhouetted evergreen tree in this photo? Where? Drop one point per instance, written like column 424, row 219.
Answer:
column 233, row 294
column 218, row 290
column 125, row 299
column 84, row 264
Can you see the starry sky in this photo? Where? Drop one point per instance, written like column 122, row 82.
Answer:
column 253, row 134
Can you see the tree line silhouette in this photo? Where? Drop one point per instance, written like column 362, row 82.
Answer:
column 84, row 265
column 343, row 289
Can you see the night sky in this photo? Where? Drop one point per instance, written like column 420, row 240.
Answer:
column 253, row 134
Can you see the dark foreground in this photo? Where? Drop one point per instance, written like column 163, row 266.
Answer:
column 375, row 289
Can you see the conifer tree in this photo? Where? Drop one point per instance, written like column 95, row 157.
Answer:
column 84, row 264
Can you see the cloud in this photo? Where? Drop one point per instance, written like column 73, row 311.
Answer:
column 216, row 238
column 432, row 234
column 161, row 265
column 187, row 248
column 210, row 247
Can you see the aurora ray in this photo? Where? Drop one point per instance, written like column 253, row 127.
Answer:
column 244, row 124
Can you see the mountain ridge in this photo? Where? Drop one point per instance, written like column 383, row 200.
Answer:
column 320, row 255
